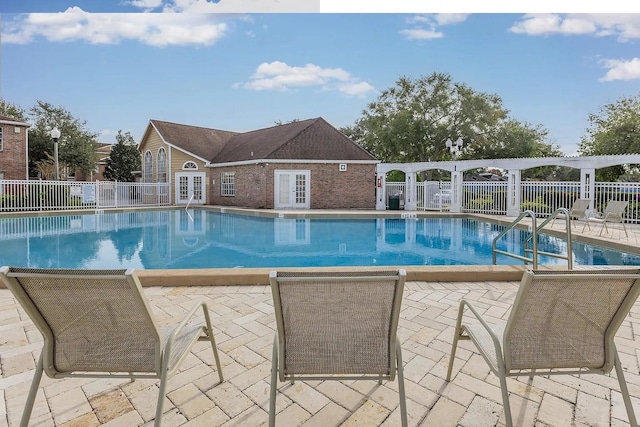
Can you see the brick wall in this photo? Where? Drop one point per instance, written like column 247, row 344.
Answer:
column 13, row 157
column 330, row 187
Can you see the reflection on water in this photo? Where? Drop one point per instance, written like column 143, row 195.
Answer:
column 203, row 239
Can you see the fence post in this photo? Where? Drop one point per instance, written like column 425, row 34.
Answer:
column 97, row 193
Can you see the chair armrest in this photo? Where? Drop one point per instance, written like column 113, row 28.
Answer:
column 180, row 327
column 485, row 325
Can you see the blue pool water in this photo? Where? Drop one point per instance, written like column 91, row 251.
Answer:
column 204, row 239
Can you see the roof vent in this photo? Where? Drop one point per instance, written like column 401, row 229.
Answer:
column 252, row 154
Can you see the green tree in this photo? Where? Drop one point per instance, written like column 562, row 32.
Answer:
column 411, row 121
column 123, row 160
column 280, row 122
column 615, row 129
column 76, row 147
column 12, row 110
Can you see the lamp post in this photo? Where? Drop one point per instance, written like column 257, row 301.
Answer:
column 454, row 147
column 55, row 134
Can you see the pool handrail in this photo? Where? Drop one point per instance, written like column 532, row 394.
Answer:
column 534, row 235
column 556, row 214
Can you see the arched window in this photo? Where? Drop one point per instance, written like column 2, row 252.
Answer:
column 162, row 165
column 162, row 169
column 190, row 166
column 148, row 172
column 148, row 167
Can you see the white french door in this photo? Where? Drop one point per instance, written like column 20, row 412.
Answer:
column 190, row 184
column 292, row 189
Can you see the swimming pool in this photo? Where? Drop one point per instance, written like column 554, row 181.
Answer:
column 180, row 239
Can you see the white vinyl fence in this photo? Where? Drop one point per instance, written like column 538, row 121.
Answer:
column 543, row 198
column 17, row 195
column 486, row 197
column 433, row 195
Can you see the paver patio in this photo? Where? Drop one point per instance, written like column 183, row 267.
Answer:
column 244, row 325
column 244, row 321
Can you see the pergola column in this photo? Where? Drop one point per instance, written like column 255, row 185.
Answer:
column 381, row 196
column 514, row 194
column 456, row 192
column 588, row 186
column 409, row 191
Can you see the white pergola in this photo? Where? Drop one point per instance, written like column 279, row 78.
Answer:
column 514, row 167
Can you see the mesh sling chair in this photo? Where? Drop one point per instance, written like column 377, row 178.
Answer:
column 98, row 324
column 578, row 211
column 337, row 326
column 560, row 323
column 612, row 213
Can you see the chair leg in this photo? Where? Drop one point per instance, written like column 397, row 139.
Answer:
column 625, row 392
column 164, row 374
column 604, row 227
column 213, row 341
column 33, row 390
column 454, row 346
column 625, row 229
column 401, row 392
column 274, row 381
column 161, row 396
column 505, row 399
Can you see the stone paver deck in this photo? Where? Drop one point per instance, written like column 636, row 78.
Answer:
column 244, row 326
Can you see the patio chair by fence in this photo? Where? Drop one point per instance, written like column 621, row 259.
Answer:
column 612, row 213
column 578, row 211
column 560, row 323
column 98, row 324
column 337, row 326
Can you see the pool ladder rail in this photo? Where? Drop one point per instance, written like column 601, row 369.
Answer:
column 530, row 244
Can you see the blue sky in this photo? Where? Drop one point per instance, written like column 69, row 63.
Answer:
column 117, row 67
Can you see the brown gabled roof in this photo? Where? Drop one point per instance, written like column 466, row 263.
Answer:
column 203, row 142
column 13, row 119
column 312, row 139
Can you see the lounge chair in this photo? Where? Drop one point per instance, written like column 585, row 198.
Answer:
column 98, row 324
column 612, row 213
column 336, row 326
column 560, row 323
column 578, row 211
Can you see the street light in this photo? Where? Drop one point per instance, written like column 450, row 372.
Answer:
column 454, row 147
column 55, row 134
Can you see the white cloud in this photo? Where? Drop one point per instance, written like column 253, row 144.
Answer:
column 280, row 76
column 359, row 89
column 427, row 25
column 623, row 26
column 451, row 18
column 421, row 34
column 242, row 6
column 156, row 29
column 146, row 4
column 621, row 70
